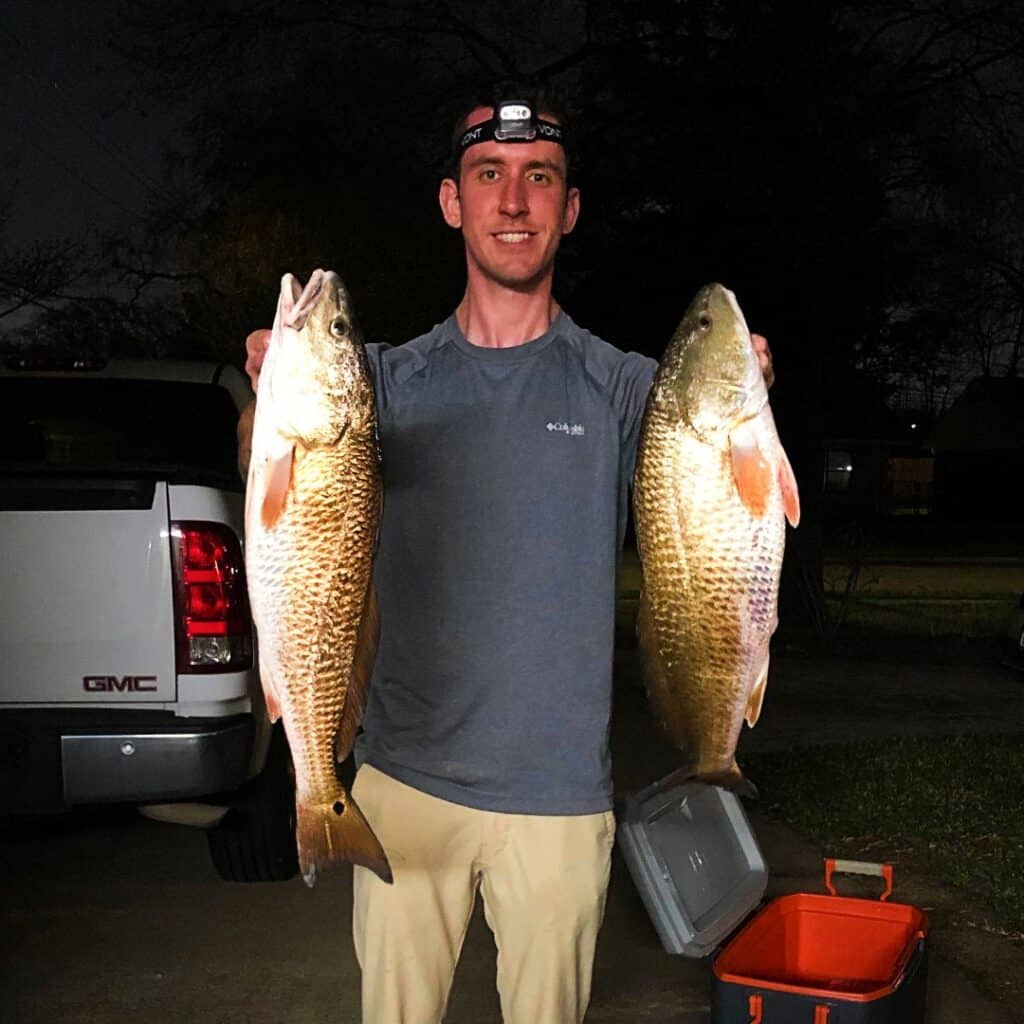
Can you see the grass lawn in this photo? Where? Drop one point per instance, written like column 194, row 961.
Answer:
column 954, row 805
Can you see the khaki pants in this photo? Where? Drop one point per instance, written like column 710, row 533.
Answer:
column 543, row 880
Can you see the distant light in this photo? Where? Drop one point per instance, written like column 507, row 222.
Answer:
column 913, row 426
column 849, row 469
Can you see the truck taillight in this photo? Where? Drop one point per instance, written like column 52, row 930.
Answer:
column 212, row 625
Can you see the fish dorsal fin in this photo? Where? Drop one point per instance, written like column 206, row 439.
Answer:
column 278, row 477
column 750, row 469
column 756, row 700
column 359, row 678
column 790, row 493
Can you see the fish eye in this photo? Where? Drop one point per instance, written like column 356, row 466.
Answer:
column 339, row 327
column 704, row 320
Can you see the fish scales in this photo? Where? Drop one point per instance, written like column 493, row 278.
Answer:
column 317, row 573
column 711, row 564
column 708, row 577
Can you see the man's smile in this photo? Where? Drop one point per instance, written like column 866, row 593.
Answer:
column 514, row 237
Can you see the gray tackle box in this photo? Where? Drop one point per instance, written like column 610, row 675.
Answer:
column 695, row 861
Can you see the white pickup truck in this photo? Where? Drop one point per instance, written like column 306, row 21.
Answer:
column 128, row 670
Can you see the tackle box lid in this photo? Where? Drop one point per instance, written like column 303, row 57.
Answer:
column 695, row 861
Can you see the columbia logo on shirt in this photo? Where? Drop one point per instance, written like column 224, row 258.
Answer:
column 572, row 429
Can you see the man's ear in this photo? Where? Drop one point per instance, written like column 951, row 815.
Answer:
column 451, row 207
column 572, row 210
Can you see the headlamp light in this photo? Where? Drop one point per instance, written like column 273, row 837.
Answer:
column 512, row 121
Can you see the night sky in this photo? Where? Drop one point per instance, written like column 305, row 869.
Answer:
column 78, row 158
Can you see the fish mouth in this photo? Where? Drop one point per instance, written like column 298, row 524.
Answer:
column 304, row 299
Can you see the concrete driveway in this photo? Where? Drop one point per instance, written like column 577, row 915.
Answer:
column 109, row 917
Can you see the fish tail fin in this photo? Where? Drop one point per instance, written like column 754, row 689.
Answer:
column 731, row 778
column 336, row 831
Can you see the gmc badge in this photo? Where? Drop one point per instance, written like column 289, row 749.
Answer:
column 113, row 684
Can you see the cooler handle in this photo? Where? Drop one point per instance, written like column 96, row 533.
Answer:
column 755, row 1007
column 857, row 867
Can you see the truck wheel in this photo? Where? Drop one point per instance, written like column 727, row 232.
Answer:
column 255, row 841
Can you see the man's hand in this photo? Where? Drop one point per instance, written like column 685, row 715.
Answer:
column 255, row 352
column 764, row 357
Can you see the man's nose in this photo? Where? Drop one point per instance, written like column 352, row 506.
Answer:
column 514, row 201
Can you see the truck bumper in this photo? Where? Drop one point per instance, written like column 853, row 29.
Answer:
column 47, row 764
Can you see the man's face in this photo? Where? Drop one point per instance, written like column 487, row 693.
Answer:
column 513, row 205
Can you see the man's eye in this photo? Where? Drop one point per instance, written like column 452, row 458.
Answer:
column 489, row 174
column 540, row 178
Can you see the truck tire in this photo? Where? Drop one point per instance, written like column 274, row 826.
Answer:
column 255, row 841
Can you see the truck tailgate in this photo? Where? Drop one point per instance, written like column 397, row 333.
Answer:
column 86, row 593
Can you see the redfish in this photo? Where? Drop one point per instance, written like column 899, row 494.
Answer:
column 312, row 517
column 713, row 490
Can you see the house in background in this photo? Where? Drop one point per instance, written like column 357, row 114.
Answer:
column 979, row 453
column 878, row 464
column 872, row 479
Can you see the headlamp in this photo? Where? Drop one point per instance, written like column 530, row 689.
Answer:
column 515, row 121
column 512, row 121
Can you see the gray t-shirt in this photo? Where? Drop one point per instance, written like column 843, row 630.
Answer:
column 506, row 475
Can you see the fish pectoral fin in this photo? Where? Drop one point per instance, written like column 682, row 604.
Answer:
column 756, row 700
column 278, row 479
column 359, row 677
column 790, row 492
column 751, row 471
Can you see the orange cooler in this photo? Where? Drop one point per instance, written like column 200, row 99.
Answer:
column 802, row 959
column 815, row 959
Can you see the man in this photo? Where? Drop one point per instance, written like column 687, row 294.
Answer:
column 509, row 438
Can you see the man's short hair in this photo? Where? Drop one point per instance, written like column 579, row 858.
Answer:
column 546, row 101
